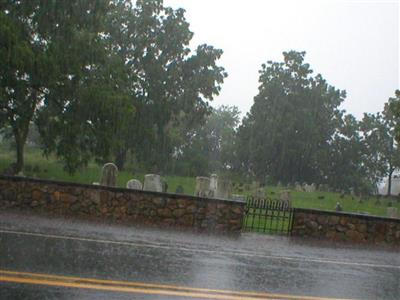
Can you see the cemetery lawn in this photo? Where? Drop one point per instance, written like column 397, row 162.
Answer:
column 327, row 201
column 40, row 167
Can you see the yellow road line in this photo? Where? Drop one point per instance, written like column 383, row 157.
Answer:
column 120, row 288
column 143, row 288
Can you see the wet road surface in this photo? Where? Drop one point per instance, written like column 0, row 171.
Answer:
column 56, row 258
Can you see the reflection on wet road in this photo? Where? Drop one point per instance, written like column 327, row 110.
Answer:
column 51, row 258
column 137, row 288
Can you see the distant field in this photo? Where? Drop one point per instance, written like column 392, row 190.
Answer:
column 38, row 166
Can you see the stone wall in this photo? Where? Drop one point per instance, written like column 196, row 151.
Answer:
column 339, row 226
column 101, row 202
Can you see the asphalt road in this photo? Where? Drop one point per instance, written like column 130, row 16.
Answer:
column 56, row 258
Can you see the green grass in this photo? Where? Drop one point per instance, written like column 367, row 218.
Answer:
column 38, row 166
column 328, row 202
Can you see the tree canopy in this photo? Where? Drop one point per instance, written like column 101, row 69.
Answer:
column 102, row 77
column 291, row 123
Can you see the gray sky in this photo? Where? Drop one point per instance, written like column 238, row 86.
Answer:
column 353, row 44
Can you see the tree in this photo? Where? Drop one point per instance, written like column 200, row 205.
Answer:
column 102, row 77
column 21, row 69
column 49, row 50
column 291, row 122
column 211, row 146
column 382, row 155
column 171, row 84
column 345, row 164
column 394, row 106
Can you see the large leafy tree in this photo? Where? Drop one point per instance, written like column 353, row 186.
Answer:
column 291, row 122
column 102, row 77
column 52, row 56
column 23, row 69
column 87, row 106
column 172, row 85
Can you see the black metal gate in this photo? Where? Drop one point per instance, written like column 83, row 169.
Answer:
column 268, row 215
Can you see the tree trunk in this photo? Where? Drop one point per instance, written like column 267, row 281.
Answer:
column 20, row 156
column 20, row 139
column 390, row 182
column 391, row 169
column 120, row 159
column 20, row 131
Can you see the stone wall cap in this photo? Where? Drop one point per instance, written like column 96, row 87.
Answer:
column 345, row 214
column 119, row 189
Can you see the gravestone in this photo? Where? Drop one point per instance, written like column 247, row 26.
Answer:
column 152, row 182
column 134, row 184
column 298, row 187
column 164, row 185
column 179, row 190
column 309, row 188
column 338, row 207
column 391, row 212
column 202, row 187
column 285, row 197
column 109, row 175
column 213, row 185
column 255, row 185
column 258, row 193
column 323, row 188
column 95, row 183
column 238, row 197
column 224, row 189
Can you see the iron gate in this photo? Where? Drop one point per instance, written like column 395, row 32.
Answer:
column 268, row 215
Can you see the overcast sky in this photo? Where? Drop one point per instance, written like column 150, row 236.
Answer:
column 353, row 44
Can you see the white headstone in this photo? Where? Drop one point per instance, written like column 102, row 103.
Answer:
column 224, row 189
column 285, row 197
column 309, row 188
column 109, row 175
column 202, row 187
column 392, row 212
column 134, row 184
column 213, row 184
column 152, row 182
column 258, row 193
column 238, row 197
column 298, row 187
column 254, row 185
